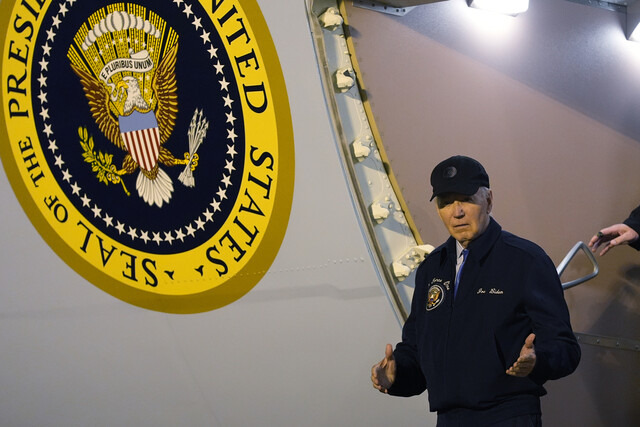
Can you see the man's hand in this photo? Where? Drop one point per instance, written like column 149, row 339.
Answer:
column 383, row 374
column 527, row 360
column 614, row 235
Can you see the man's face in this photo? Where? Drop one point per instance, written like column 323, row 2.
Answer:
column 466, row 217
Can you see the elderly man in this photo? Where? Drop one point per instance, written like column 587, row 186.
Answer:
column 488, row 324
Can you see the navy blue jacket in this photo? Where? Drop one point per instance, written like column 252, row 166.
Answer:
column 459, row 350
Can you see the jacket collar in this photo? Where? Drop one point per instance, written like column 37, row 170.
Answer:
column 479, row 246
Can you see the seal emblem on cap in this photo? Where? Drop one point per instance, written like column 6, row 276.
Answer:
column 450, row 172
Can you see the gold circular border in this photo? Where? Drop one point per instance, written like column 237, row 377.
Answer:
column 236, row 286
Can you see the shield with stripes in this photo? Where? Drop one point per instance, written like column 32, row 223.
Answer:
column 141, row 136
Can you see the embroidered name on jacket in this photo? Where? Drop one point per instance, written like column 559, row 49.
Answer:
column 492, row 291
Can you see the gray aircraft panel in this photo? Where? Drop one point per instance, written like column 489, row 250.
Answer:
column 296, row 350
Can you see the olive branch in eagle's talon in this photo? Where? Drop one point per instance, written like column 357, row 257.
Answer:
column 101, row 163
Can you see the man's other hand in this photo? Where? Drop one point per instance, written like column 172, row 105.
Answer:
column 527, row 360
column 383, row 374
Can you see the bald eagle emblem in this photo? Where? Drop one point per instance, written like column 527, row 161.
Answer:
column 134, row 102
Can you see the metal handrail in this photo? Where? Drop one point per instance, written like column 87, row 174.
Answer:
column 572, row 253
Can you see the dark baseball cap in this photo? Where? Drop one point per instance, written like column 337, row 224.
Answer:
column 458, row 174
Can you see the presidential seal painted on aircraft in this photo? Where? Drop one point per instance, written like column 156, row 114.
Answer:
column 150, row 143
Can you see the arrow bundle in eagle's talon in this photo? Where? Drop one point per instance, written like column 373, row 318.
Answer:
column 197, row 131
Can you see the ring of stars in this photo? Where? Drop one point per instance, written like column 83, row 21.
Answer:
column 147, row 236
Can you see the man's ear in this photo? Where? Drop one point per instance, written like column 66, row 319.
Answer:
column 489, row 201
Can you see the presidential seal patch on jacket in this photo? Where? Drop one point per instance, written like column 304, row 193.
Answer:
column 435, row 296
column 150, row 143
